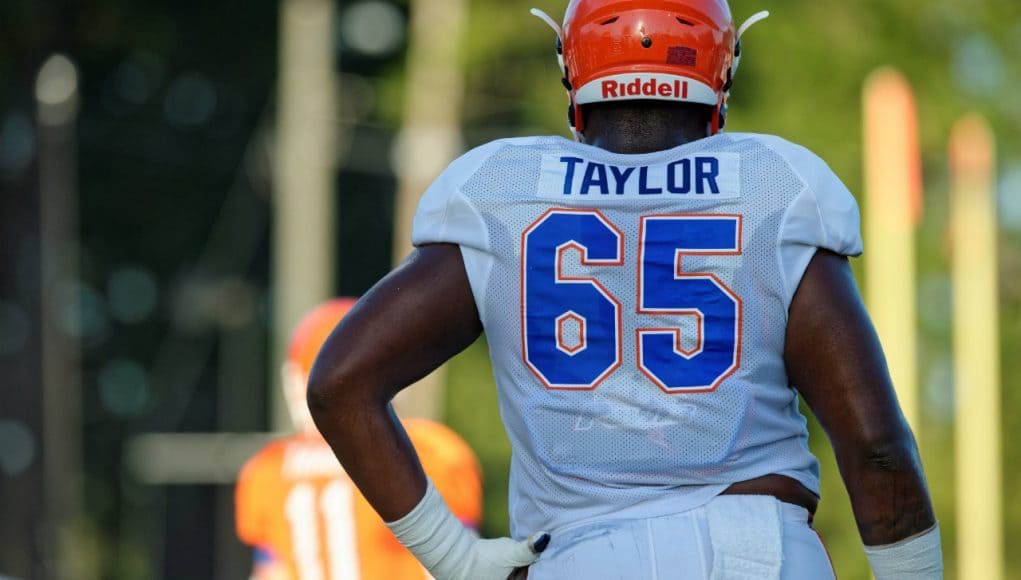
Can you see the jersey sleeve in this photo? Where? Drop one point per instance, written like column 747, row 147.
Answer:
column 249, row 516
column 444, row 214
column 824, row 215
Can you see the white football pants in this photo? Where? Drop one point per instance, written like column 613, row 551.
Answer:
column 675, row 547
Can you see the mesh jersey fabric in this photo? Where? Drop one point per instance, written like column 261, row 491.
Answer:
column 627, row 447
column 295, row 504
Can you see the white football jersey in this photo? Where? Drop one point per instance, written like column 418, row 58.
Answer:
column 636, row 311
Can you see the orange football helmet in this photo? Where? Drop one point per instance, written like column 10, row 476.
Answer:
column 312, row 331
column 673, row 50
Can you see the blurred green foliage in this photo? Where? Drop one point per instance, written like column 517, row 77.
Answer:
column 801, row 78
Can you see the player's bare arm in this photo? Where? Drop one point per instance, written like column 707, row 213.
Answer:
column 407, row 325
column 412, row 321
column 834, row 357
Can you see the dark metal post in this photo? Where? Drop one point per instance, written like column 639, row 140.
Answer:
column 56, row 93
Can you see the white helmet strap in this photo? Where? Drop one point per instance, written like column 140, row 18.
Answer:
column 548, row 20
column 752, row 21
column 556, row 28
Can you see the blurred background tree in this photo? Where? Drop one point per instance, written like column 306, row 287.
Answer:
column 177, row 111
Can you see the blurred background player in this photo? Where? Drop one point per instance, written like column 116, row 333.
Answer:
column 300, row 512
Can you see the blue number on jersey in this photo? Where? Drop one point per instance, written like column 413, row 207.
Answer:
column 665, row 289
column 552, row 299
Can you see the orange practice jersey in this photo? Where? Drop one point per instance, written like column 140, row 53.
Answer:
column 296, row 506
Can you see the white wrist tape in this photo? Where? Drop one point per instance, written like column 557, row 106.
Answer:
column 916, row 558
column 449, row 551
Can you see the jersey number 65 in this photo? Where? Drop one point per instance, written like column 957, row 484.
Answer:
column 552, row 301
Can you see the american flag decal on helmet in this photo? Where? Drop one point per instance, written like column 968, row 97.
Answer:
column 682, row 55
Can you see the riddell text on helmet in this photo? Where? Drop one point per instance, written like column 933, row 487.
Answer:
column 651, row 88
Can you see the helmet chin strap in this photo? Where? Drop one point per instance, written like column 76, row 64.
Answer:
column 572, row 121
column 752, row 21
column 548, row 20
column 719, row 115
column 556, row 28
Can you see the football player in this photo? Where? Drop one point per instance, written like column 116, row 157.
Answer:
column 300, row 512
column 656, row 297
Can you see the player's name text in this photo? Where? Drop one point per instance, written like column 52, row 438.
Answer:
column 700, row 176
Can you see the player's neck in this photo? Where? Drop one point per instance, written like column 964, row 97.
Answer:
column 631, row 146
column 642, row 128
